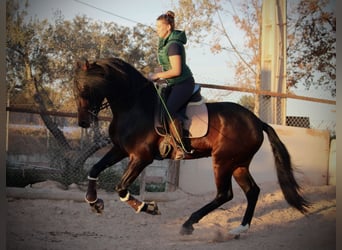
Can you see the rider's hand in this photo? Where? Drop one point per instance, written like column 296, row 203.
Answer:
column 153, row 77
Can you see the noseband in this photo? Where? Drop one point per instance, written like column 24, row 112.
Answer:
column 95, row 111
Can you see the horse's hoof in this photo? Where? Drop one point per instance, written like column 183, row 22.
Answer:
column 238, row 230
column 97, row 206
column 152, row 208
column 186, row 230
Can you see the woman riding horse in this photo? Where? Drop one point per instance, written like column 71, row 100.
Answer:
column 234, row 135
column 171, row 55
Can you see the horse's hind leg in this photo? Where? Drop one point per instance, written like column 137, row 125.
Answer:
column 251, row 190
column 224, row 194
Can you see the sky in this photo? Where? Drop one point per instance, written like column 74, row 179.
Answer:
column 131, row 9
column 144, row 12
column 206, row 67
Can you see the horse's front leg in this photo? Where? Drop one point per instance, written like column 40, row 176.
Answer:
column 97, row 205
column 133, row 170
column 113, row 156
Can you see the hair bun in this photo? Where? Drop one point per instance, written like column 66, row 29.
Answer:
column 170, row 14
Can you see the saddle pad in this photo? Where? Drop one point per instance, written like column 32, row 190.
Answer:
column 197, row 122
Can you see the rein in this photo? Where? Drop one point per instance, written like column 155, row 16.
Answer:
column 106, row 104
column 103, row 106
column 170, row 118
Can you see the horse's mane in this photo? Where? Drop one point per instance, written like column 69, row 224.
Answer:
column 110, row 77
column 121, row 70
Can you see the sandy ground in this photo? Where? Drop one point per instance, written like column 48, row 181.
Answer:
column 70, row 224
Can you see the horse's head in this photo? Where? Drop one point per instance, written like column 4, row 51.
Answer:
column 111, row 78
column 87, row 79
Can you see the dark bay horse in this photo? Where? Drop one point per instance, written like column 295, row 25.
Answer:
column 234, row 135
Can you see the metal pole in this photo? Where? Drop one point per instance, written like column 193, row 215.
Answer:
column 3, row 126
column 273, row 60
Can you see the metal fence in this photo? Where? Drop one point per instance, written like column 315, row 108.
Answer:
column 33, row 155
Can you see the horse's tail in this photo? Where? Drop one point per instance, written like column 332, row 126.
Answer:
column 287, row 181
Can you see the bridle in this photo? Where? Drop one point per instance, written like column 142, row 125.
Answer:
column 95, row 111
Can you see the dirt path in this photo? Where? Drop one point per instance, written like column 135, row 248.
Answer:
column 34, row 224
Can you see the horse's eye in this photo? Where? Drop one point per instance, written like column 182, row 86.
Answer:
column 84, row 95
column 85, row 92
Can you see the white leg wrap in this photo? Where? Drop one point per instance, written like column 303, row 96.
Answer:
column 92, row 178
column 92, row 202
column 140, row 207
column 126, row 198
column 240, row 229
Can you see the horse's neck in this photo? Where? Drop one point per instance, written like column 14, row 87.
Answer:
column 137, row 116
column 142, row 101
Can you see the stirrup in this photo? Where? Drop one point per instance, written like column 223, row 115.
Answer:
column 180, row 154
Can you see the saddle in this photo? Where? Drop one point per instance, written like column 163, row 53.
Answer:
column 195, row 118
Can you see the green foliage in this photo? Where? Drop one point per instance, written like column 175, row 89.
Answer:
column 40, row 66
column 248, row 101
column 195, row 17
column 311, row 37
column 48, row 52
column 312, row 45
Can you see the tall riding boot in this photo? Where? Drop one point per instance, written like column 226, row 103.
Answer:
column 176, row 129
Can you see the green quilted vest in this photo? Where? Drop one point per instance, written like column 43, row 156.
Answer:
column 179, row 37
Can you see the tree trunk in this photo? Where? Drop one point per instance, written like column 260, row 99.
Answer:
column 49, row 123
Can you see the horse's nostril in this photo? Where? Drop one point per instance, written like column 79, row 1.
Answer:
column 83, row 124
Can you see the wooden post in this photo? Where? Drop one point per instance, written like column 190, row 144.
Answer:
column 172, row 177
column 142, row 184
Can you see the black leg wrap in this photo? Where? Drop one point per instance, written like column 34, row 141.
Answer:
column 252, row 198
column 122, row 192
column 91, row 195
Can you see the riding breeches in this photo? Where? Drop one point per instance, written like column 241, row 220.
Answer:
column 179, row 95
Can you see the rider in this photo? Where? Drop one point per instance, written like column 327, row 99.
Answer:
column 171, row 57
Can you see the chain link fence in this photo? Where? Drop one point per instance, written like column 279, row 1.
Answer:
column 34, row 155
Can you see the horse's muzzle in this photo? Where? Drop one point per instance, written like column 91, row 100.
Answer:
column 84, row 124
column 83, row 118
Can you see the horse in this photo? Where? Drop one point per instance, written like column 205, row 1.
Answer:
column 234, row 136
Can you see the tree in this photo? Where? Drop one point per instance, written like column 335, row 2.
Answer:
column 211, row 18
column 311, row 38
column 40, row 61
column 247, row 101
column 247, row 71
column 195, row 17
column 20, row 50
column 312, row 45
column 203, row 19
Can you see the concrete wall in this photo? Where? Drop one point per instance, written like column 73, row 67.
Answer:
column 332, row 163
column 312, row 155
column 309, row 150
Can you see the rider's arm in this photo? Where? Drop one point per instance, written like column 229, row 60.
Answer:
column 176, row 68
column 175, row 58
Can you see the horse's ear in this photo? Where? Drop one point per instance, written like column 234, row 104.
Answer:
column 83, row 65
